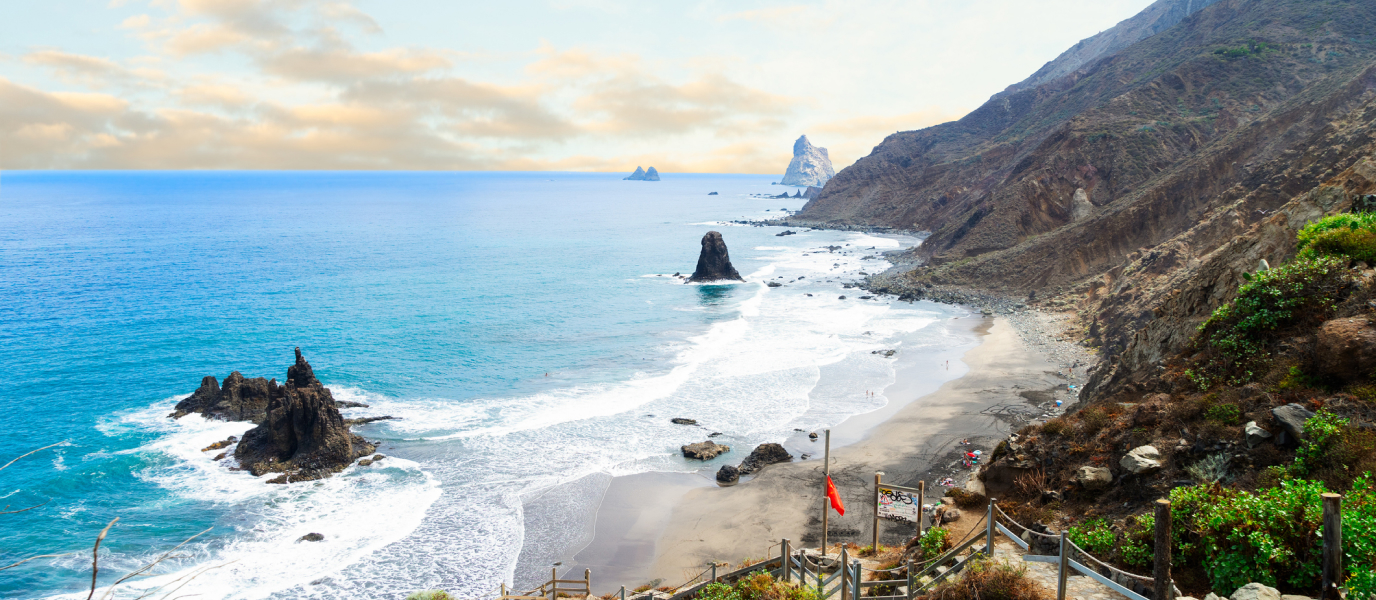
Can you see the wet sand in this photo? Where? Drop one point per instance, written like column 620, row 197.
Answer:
column 669, row 526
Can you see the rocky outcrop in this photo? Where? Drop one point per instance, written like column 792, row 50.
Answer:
column 762, row 456
column 1346, row 348
column 239, row 399
column 303, row 437
column 704, row 450
column 714, row 263
column 728, row 474
column 300, row 432
column 810, row 165
column 642, row 175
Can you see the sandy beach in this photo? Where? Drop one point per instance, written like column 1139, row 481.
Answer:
column 668, row 526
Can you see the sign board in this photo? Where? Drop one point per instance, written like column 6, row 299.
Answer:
column 899, row 505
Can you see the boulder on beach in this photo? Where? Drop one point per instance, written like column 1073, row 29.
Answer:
column 764, row 455
column 714, row 263
column 704, row 450
column 728, row 474
column 302, row 434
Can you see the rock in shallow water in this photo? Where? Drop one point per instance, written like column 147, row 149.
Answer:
column 763, row 455
column 683, row 421
column 714, row 262
column 728, row 474
column 704, row 450
column 302, row 434
column 312, row 537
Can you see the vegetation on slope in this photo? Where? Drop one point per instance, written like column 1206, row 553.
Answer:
column 1243, row 510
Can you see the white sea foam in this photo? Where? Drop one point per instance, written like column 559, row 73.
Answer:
column 755, row 375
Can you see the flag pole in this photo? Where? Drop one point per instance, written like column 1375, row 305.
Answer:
column 826, row 475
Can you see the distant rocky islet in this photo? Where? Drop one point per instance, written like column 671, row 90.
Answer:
column 642, row 175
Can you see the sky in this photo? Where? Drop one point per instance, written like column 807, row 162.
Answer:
column 572, row 85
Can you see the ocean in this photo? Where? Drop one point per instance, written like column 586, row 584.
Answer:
column 525, row 328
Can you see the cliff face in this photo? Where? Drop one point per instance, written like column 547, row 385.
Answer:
column 1160, row 16
column 1161, row 129
column 811, row 166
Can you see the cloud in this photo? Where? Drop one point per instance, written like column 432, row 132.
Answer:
column 343, row 65
column 92, row 71
column 765, row 15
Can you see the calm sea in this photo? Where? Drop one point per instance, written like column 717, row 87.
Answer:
column 523, row 326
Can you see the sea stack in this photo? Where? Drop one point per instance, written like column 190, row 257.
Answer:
column 642, row 175
column 714, row 264
column 810, row 165
column 302, row 434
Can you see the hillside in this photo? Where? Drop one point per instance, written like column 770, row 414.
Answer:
column 1082, row 191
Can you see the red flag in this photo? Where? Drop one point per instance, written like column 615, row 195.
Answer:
column 835, row 497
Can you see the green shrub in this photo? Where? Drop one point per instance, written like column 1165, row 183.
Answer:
column 1227, row 414
column 1349, row 235
column 1056, row 426
column 1138, row 541
column 430, row 595
column 1095, row 536
column 1238, row 335
column 757, row 586
column 987, row 579
column 1334, row 451
column 934, row 542
column 1240, row 537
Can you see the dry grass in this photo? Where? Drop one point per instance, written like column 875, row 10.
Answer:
column 990, row 580
column 1031, row 483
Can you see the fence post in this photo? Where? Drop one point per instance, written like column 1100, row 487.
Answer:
column 826, row 503
column 844, row 568
column 855, row 579
column 714, row 571
column 989, row 539
column 912, row 579
column 623, row 592
column 1163, row 588
column 921, row 498
column 788, row 568
column 554, row 583
column 503, row 589
column 877, row 476
column 1060, row 576
column 1332, row 546
column 587, row 581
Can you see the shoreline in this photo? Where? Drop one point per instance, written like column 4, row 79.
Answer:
column 668, row 526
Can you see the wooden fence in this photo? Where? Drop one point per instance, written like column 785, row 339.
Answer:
column 846, row 576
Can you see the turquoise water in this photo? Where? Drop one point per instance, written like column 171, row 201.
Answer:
column 440, row 298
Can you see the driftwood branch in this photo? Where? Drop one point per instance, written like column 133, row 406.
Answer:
column 11, row 566
column 61, row 443
column 147, row 567
column 95, row 557
column 10, row 512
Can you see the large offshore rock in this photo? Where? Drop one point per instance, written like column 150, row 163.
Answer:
column 302, row 434
column 714, row 263
column 763, row 455
column 810, row 165
column 239, row 399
